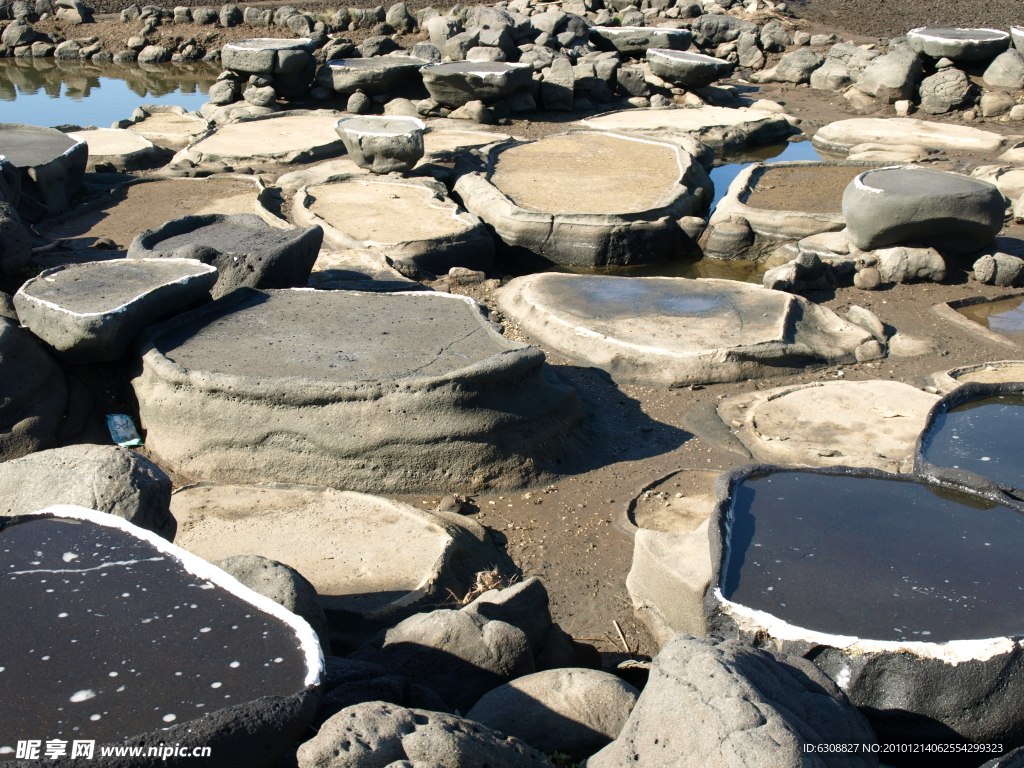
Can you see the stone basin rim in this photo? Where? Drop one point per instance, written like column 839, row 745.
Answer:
column 952, row 652
column 415, row 122
column 294, row 42
column 472, row 68
column 919, row 31
column 78, row 141
column 642, row 30
column 858, row 180
column 309, row 644
column 668, row 53
column 514, row 359
column 207, row 268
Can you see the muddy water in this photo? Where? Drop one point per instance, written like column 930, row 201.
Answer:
column 1004, row 317
column 53, row 92
column 877, row 559
column 104, row 636
column 984, row 436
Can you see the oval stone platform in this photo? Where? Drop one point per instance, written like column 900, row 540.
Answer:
column 635, row 41
column 456, row 83
column 841, row 135
column 267, row 55
column 116, row 636
column 671, row 332
column 413, row 220
column 116, row 150
column 383, row 144
column 372, row 392
column 372, row 76
column 52, row 166
column 958, row 44
column 521, row 193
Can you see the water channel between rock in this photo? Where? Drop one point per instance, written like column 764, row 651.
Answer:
column 876, row 559
column 1004, row 317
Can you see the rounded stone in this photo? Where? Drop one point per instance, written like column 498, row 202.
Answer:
column 889, row 206
column 684, row 68
column 372, row 76
column 383, row 144
column 634, row 41
column 670, row 332
column 413, row 391
column 52, row 166
column 119, row 150
column 407, row 221
column 522, row 194
column 263, row 55
column 457, row 83
column 841, row 135
column 33, row 393
column 957, row 43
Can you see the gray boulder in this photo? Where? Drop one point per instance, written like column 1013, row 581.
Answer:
column 18, row 33
column 1006, row 70
column 716, row 29
column 398, row 16
column 231, row 16
column 91, row 312
column 910, row 265
column 441, row 28
column 958, row 44
column 574, row 711
column 741, row 707
column 154, row 54
column 33, row 393
column 224, row 92
column 684, row 68
column 370, row 76
column 457, row 83
column 51, row 165
column 15, row 242
column 636, row 41
column 380, row 735
column 105, row 478
column 556, row 90
column 748, row 49
column 892, row 77
column 794, row 67
column 347, row 682
column 282, row 584
column 774, row 36
column 264, row 56
column 523, row 605
column 891, row 206
column 246, row 251
column 1014, row 759
column 1002, row 269
column 946, row 90
column 383, row 144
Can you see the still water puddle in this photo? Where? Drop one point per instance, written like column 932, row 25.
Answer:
column 1005, row 317
column 876, row 559
column 985, row 436
column 104, row 636
column 50, row 92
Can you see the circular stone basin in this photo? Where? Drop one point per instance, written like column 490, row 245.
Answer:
column 535, row 175
column 52, row 166
column 405, row 220
column 686, row 68
column 289, row 139
column 266, row 55
column 350, row 390
column 957, row 43
column 27, row 146
column 660, row 331
column 633, row 41
column 372, row 76
column 115, row 149
column 383, row 144
column 111, row 632
column 458, row 82
column 978, row 428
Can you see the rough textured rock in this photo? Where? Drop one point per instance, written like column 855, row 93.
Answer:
column 282, row 584
column 891, row 77
column 573, row 711
column 944, row 91
column 105, row 478
column 15, row 242
column 246, row 251
column 91, row 312
column 742, row 706
column 383, row 144
column 379, row 735
column 52, row 165
column 457, row 83
column 910, row 265
column 33, row 393
column 716, row 29
column 1001, row 269
column 684, row 68
column 890, row 206
column 1006, row 70
column 371, row 76
column 635, row 41
column 794, row 67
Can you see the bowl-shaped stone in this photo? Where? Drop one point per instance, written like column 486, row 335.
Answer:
column 456, row 83
column 383, row 144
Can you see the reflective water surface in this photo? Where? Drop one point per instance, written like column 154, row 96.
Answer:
column 1004, row 317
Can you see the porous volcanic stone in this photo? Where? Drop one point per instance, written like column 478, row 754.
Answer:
column 720, row 128
column 573, row 711
column 826, row 424
column 115, row 634
column 843, row 561
column 411, row 391
column 684, row 68
column 33, row 393
column 383, row 144
column 634, row 41
column 958, row 44
column 668, row 332
column 457, row 83
column 107, row 478
column 521, row 193
column 245, row 249
column 743, row 708
column 91, row 312
column 841, row 135
column 888, row 206
column 410, row 220
column 52, row 165
column 373, row 561
column 372, row 76
column 116, row 150
column 267, row 55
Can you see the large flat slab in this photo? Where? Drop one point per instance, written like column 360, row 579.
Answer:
column 675, row 331
column 843, row 134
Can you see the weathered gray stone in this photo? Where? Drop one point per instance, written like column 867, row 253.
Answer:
column 105, row 478
column 890, row 206
column 556, row 90
column 743, row 707
column 793, row 67
column 457, row 83
column 91, row 312
column 958, row 44
column 774, row 36
column 264, row 96
column 717, row 29
column 684, row 68
column 15, row 241
column 995, row 103
column 441, row 393
column 154, row 54
column 573, row 711
column 379, row 735
column 231, row 16
column 1000, row 269
column 946, row 90
column 371, row 76
column 18, row 33
column 891, row 77
column 267, row 55
column 749, row 51
column 1006, row 70
column 441, row 28
column 910, row 265
column 383, row 144
column 841, row 135
column 52, row 165
column 33, row 393
column 635, row 41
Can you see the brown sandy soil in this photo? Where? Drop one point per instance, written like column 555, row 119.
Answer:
column 796, row 189
column 890, row 18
